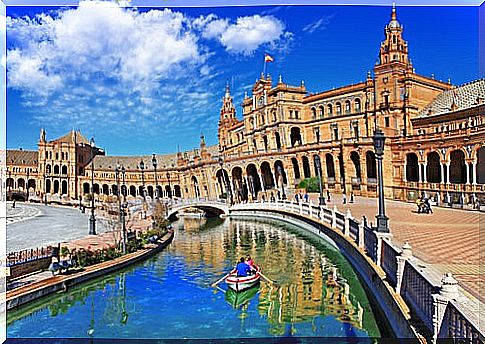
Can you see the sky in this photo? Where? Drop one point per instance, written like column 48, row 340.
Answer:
column 151, row 80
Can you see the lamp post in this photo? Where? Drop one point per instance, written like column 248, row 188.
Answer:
column 92, row 219
column 154, row 163
column 123, row 171
column 45, row 188
column 169, row 186
column 280, row 172
column 142, row 168
column 27, row 198
column 382, row 219
column 321, row 199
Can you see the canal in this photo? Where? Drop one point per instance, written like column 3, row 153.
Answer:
column 315, row 291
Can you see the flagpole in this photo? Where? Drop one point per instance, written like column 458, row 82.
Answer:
column 264, row 68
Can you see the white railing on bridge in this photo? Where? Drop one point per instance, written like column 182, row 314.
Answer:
column 434, row 303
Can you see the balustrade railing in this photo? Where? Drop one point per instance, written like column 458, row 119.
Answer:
column 423, row 296
column 389, row 261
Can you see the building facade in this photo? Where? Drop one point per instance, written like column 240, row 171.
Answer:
column 435, row 136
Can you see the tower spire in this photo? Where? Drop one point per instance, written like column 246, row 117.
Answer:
column 393, row 14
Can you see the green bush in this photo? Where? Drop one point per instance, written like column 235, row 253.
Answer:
column 309, row 184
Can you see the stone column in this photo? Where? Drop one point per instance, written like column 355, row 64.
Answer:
column 474, row 173
column 260, row 173
column 448, row 173
column 420, row 172
column 425, row 177
column 406, row 255
column 467, row 172
column 405, row 174
column 336, row 167
column 449, row 291
column 442, row 166
column 274, row 179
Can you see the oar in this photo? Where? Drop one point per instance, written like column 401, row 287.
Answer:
column 266, row 278
column 220, row 280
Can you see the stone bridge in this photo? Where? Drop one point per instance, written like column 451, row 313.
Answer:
column 210, row 207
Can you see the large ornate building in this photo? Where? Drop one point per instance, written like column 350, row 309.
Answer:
column 435, row 136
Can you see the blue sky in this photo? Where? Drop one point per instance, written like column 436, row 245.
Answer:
column 148, row 80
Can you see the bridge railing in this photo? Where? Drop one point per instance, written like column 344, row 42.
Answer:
column 433, row 302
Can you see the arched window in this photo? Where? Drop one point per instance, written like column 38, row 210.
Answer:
column 278, row 140
column 48, row 169
column 329, row 109
column 64, row 169
column 330, row 166
column 370, row 160
column 56, row 169
column 357, row 105
column 480, row 170
column 296, row 168
column 412, row 168
column 338, row 108
column 433, row 168
column 314, row 113
column 306, row 167
column 265, row 141
column 295, row 137
column 347, row 106
column 457, row 167
column 321, row 110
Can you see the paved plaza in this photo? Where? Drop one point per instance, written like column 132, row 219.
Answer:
column 449, row 240
column 32, row 225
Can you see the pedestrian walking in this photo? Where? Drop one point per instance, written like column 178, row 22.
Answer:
column 306, row 197
column 344, row 198
column 328, row 196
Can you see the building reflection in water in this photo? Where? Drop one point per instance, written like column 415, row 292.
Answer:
column 309, row 283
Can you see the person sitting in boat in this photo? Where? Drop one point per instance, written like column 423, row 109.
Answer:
column 242, row 268
column 251, row 265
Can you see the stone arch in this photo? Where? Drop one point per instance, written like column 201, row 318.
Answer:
column 267, row 176
column 330, row 164
column 433, row 167
column 412, row 167
column 105, row 189
column 321, row 110
column 64, row 170
column 56, row 186
column 114, row 189
column 295, row 137
column 10, row 183
column 64, row 187
column 253, row 179
column 355, row 158
column 48, row 169
column 124, row 191
column 150, row 191
column 239, row 184
column 31, row 184
column 168, row 191
column 48, row 186
column 279, row 163
column 56, row 169
column 96, row 188
column 86, row 188
column 314, row 112
column 20, row 183
column 480, row 168
column 133, row 190
column 195, row 186
column 177, row 192
column 141, row 190
column 330, row 109
column 371, row 166
column 159, row 191
column 296, row 168
column 223, row 181
column 306, row 167
column 457, row 167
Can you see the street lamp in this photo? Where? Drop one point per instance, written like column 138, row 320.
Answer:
column 280, row 172
column 382, row 219
column 27, row 185
column 92, row 219
column 321, row 199
column 169, row 186
column 123, row 171
column 154, row 163
column 45, row 188
column 142, row 167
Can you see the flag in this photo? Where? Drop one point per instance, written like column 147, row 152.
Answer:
column 268, row 58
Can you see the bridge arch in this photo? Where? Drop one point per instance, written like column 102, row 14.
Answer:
column 211, row 209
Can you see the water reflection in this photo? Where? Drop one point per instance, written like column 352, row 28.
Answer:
column 170, row 296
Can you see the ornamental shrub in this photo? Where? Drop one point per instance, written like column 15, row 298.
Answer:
column 309, row 184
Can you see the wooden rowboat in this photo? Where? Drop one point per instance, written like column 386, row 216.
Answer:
column 239, row 299
column 242, row 283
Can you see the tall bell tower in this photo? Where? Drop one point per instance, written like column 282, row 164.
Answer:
column 227, row 119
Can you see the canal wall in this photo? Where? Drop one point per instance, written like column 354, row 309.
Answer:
column 61, row 283
column 409, row 298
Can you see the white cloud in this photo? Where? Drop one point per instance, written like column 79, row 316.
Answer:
column 318, row 25
column 245, row 35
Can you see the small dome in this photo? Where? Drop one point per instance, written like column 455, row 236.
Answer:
column 394, row 24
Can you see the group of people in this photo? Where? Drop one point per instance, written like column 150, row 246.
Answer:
column 245, row 267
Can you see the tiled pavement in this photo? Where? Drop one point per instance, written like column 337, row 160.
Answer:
column 449, row 240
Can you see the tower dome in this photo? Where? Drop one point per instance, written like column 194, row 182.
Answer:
column 394, row 24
